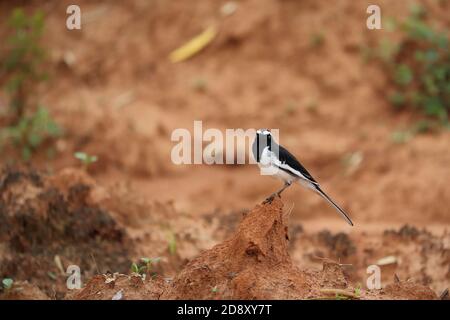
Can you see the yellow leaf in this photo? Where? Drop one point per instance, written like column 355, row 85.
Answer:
column 193, row 46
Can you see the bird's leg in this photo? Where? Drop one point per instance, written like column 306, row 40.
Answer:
column 286, row 185
column 278, row 193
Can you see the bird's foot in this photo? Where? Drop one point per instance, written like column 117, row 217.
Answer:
column 271, row 197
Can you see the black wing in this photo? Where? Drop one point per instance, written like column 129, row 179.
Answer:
column 287, row 158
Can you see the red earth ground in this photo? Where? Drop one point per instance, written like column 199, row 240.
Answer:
column 51, row 222
column 117, row 95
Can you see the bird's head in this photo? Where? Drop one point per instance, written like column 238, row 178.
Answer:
column 263, row 138
column 263, row 132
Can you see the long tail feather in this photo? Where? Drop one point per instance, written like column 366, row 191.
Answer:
column 332, row 203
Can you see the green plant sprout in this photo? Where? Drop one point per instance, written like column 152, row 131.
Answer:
column 339, row 296
column 317, row 39
column 200, row 84
column 172, row 244
column 149, row 262
column 52, row 275
column 29, row 125
column 144, row 266
column 31, row 132
column 135, row 268
column 420, row 127
column 85, row 158
column 418, row 65
column 358, row 290
column 7, row 283
column 23, row 62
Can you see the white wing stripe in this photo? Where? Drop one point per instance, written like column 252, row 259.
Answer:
column 281, row 165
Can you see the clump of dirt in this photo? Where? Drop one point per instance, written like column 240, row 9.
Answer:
column 253, row 264
column 340, row 243
column 23, row 290
column 47, row 224
column 406, row 232
column 407, row 290
column 121, row 287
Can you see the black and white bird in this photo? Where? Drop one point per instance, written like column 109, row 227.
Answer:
column 273, row 159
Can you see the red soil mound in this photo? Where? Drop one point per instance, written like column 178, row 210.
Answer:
column 253, row 264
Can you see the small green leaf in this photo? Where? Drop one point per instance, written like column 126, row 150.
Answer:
column 434, row 107
column 146, row 260
column 7, row 283
column 155, row 260
column 134, row 268
column 403, row 75
column 317, row 39
column 142, row 269
column 52, row 275
column 172, row 244
column 387, row 50
column 80, row 156
column 358, row 290
column 85, row 158
column 26, row 153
